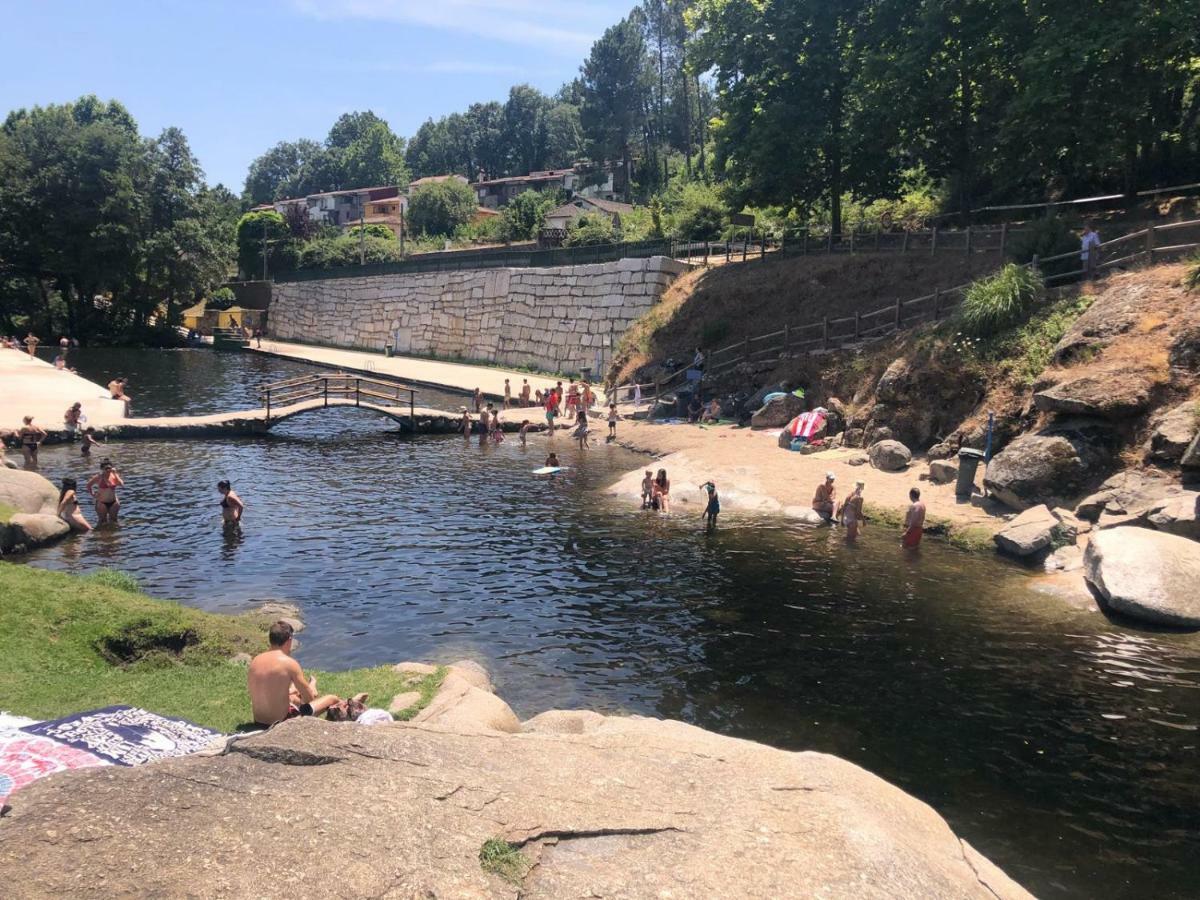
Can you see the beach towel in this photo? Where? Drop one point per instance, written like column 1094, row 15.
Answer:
column 24, row 758
column 805, row 425
column 126, row 735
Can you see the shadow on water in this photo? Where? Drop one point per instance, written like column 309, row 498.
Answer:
column 1060, row 744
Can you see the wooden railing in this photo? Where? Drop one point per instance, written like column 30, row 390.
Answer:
column 1148, row 245
column 339, row 385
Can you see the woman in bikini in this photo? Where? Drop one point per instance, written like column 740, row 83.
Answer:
column 31, row 438
column 68, row 507
column 662, row 491
column 851, row 514
column 103, row 488
column 232, row 506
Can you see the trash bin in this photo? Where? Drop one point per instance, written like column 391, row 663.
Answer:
column 388, row 349
column 585, row 373
column 968, row 462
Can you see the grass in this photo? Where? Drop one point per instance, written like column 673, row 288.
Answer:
column 70, row 643
column 971, row 538
column 1191, row 280
column 999, row 301
column 501, row 858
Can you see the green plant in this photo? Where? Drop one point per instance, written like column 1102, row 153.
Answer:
column 255, row 227
column 221, row 298
column 999, row 301
column 441, row 207
column 375, row 229
column 1191, row 280
column 525, row 214
column 590, row 229
column 501, row 858
column 700, row 215
column 1045, row 238
column 116, row 579
column 348, row 250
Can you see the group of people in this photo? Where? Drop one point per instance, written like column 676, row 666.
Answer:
column 849, row 513
column 31, row 342
column 578, row 401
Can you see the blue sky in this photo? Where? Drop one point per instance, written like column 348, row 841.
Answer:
column 238, row 77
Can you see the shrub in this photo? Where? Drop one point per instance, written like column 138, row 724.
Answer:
column 486, row 230
column 1191, row 280
column 346, row 250
column 221, row 298
column 700, row 215
column 1045, row 238
column 999, row 301
column 375, row 229
column 441, row 207
column 590, row 229
column 525, row 214
column 250, row 232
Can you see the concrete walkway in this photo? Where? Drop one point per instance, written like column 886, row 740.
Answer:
column 31, row 387
column 449, row 375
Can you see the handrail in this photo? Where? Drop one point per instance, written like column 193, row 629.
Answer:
column 337, row 384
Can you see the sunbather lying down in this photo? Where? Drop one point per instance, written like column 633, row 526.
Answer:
column 279, row 689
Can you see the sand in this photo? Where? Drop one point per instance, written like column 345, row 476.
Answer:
column 32, row 387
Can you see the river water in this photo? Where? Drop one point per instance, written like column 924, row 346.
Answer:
column 1061, row 745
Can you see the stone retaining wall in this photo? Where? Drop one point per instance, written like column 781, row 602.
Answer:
column 555, row 319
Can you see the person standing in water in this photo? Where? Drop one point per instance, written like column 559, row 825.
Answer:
column 232, row 506
column 552, row 461
column 662, row 491
column 914, row 521
column 464, row 424
column 89, row 441
column 525, row 426
column 72, row 417
column 551, row 411
column 507, row 394
column 581, row 428
column 648, row 490
column 477, row 397
column 613, row 418
column 31, row 438
column 713, row 507
column 851, row 513
column 68, row 507
column 103, row 489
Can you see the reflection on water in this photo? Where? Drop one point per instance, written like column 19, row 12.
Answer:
column 1060, row 745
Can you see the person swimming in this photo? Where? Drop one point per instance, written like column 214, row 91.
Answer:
column 552, row 461
column 89, row 441
column 68, row 507
column 103, row 489
column 232, row 506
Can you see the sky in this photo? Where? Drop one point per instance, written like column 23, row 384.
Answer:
column 238, row 77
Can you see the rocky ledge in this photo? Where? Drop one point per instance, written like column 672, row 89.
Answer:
column 34, row 520
column 458, row 804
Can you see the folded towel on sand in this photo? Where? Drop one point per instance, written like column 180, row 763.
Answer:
column 126, row 735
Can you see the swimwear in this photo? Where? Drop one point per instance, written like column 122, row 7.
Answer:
column 294, row 711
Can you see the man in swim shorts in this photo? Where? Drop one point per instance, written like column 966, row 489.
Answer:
column 277, row 686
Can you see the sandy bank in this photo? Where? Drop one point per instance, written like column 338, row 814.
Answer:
column 35, row 388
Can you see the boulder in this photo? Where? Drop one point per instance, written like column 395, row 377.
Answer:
column 1148, row 575
column 942, row 450
column 755, row 400
column 1114, row 312
column 402, row 702
column 877, row 433
column 858, row 459
column 635, row 808
column 1178, row 515
column 890, row 456
column 835, row 415
column 1184, row 352
column 1065, row 559
column 31, row 530
column 283, row 611
column 1095, row 395
column 473, row 673
column 1174, row 432
column 1050, row 466
column 459, row 704
column 1191, row 456
column 853, row 437
column 942, row 471
column 1128, row 495
column 564, row 721
column 805, row 514
column 1030, row 532
column 778, row 411
column 414, row 668
column 28, row 492
column 893, row 385
column 1069, row 527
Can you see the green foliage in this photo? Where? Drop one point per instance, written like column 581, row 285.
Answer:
column 590, row 229
column 375, row 229
column 441, row 207
column 525, row 214
column 1044, row 238
column 253, row 229
column 999, row 301
column 116, row 579
column 349, row 250
column 700, row 214
column 501, row 858
column 484, row 230
column 615, row 91
column 1191, row 280
column 221, row 298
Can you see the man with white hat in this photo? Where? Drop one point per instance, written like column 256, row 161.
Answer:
column 823, row 499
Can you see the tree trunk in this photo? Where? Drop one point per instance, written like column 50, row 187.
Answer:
column 687, row 126
column 700, row 120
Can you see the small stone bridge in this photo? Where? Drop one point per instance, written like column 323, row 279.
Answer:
column 297, row 396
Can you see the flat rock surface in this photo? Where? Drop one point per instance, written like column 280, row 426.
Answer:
column 1106, row 394
column 633, row 808
column 1148, row 575
column 1031, row 531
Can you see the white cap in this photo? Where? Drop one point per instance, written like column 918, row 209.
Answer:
column 829, row 476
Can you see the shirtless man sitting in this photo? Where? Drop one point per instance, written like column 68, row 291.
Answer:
column 277, row 686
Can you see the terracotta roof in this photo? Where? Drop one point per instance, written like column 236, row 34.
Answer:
column 484, row 211
column 610, row 206
column 373, row 220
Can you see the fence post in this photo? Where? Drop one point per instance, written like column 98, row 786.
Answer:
column 904, row 246
column 878, row 231
column 933, row 241
column 268, row 406
column 825, row 333
column 728, row 249
column 787, row 338
column 851, row 241
column 1033, row 265
column 899, row 312
column 937, row 302
column 857, row 326
column 1003, row 237
column 745, row 248
column 1150, row 239
column 806, row 242
column 968, row 240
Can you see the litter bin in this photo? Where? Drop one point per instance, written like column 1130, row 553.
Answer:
column 968, row 462
column 388, row 349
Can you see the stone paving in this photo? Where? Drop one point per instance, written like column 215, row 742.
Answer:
column 33, row 387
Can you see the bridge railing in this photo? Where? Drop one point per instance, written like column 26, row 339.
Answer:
column 339, row 386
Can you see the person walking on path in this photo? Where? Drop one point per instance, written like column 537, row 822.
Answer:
column 914, row 521
column 1089, row 251
column 103, row 489
column 851, row 513
column 31, row 438
column 31, row 343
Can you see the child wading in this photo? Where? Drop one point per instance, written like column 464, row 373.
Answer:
column 613, row 418
column 713, row 509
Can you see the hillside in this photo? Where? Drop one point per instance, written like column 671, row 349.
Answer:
column 722, row 304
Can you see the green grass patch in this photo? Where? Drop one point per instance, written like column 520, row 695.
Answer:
column 1191, row 280
column 70, row 643
column 6, row 513
column 501, row 858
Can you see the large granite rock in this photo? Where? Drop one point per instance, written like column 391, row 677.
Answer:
column 1184, row 353
column 1050, row 466
column 1191, row 456
column 890, row 456
column 1179, row 515
column 1097, row 395
column 36, row 520
column 942, row 471
column 1030, row 532
column 778, row 411
column 1126, row 495
column 1146, row 574
column 620, row 807
column 1174, row 432
column 1115, row 311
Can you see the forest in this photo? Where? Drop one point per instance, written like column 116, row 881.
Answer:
column 811, row 113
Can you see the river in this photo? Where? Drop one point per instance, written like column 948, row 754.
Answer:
column 1061, row 745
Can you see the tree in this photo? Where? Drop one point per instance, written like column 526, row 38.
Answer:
column 483, row 126
column 289, row 169
column 441, row 207
column 525, row 214
column 525, row 121
column 615, row 94
column 365, row 152
column 590, row 229
column 256, row 229
column 433, row 151
column 564, row 136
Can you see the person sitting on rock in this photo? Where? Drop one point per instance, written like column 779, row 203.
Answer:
column 823, row 499
column 276, row 683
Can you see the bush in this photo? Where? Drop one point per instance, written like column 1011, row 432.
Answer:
column 525, row 214
column 373, row 230
column 345, row 250
column 1044, row 238
column 441, row 207
column 281, row 255
column 589, row 230
column 486, row 230
column 1191, row 280
column 999, row 301
column 700, row 214
column 221, row 298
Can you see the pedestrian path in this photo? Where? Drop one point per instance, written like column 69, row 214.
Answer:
column 32, row 387
column 413, row 370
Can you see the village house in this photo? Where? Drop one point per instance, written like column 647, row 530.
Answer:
column 578, row 181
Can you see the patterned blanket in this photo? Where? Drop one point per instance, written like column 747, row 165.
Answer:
column 126, row 735
column 25, row 758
